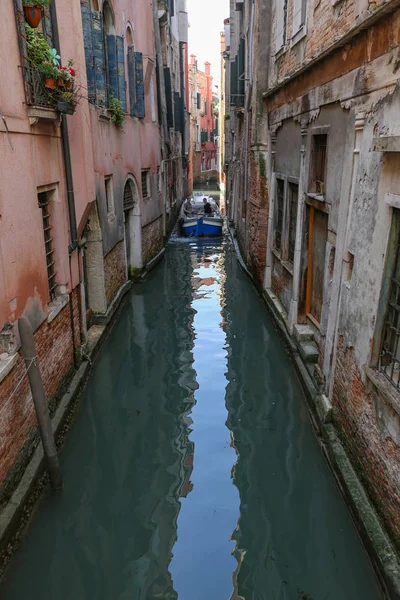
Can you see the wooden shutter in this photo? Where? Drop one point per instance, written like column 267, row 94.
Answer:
column 89, row 56
column 241, row 67
column 280, row 18
column 140, row 107
column 99, row 62
column 121, row 71
column 233, row 89
column 178, row 113
column 198, row 101
column 112, row 65
column 132, row 80
column 168, row 93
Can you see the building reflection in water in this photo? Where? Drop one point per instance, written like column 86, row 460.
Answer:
column 169, row 457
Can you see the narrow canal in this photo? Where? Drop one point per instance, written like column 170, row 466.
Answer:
column 192, row 470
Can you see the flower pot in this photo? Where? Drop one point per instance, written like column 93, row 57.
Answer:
column 61, row 83
column 50, row 83
column 33, row 15
column 67, row 108
column 68, row 86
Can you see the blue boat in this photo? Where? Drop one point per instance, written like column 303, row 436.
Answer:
column 198, row 224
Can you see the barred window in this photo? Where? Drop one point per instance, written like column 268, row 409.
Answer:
column 145, row 183
column 43, row 200
column 389, row 360
column 293, row 192
column 280, row 198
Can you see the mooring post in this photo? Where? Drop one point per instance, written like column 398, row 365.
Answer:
column 39, row 400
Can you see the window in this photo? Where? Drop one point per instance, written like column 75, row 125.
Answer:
column 198, row 133
column 205, row 107
column 109, row 195
column 145, row 183
column 280, row 199
column 299, row 15
column 319, row 163
column 281, row 23
column 43, row 199
column 389, row 359
column 198, row 101
column 293, row 196
column 285, row 220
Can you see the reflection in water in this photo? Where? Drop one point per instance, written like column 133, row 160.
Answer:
column 192, row 459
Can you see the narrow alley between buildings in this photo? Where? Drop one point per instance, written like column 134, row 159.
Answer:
column 192, row 470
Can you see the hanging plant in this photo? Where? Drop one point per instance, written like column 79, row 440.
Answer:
column 33, row 10
column 117, row 111
column 37, row 47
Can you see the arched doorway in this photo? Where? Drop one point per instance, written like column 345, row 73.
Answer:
column 133, row 227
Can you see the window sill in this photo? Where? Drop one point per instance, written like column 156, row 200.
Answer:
column 387, row 390
column 42, row 113
column 104, row 117
column 280, row 52
column 315, row 196
column 276, row 253
column 56, row 306
column 300, row 35
column 286, row 264
column 7, row 364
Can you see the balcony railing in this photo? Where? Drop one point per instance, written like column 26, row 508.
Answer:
column 236, row 100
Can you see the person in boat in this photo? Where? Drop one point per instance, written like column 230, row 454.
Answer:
column 188, row 208
column 207, row 207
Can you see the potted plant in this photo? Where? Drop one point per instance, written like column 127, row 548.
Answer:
column 37, row 47
column 33, row 11
column 50, row 73
column 66, row 103
column 67, row 76
column 117, row 111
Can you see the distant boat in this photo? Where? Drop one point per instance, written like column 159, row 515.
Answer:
column 199, row 224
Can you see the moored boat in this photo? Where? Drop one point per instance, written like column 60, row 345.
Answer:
column 197, row 223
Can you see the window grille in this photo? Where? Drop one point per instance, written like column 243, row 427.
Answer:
column 43, row 199
column 389, row 360
column 293, row 201
column 280, row 196
column 109, row 195
column 145, row 188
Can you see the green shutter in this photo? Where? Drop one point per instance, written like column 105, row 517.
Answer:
column 121, row 71
column 89, row 56
column 140, row 106
column 132, row 80
column 168, row 94
column 198, row 101
column 112, row 66
column 99, row 62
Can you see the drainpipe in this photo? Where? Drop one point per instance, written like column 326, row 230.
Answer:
column 66, row 150
column 70, row 188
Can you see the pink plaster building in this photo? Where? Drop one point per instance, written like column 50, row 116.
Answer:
column 203, row 123
column 85, row 202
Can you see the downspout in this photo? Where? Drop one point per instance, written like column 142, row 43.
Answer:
column 66, row 151
column 70, row 189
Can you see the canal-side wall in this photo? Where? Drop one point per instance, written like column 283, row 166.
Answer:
column 18, row 426
column 152, row 239
column 114, row 271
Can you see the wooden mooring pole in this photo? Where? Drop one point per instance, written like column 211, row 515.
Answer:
column 39, row 400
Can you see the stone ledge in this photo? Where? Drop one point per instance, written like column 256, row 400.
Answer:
column 7, row 364
column 56, row 306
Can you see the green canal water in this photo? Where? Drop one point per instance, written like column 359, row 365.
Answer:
column 192, row 470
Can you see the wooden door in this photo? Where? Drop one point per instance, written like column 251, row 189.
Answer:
column 318, row 233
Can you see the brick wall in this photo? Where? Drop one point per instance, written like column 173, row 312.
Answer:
column 373, row 451
column 152, row 239
column 257, row 216
column 114, row 271
column 18, row 427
